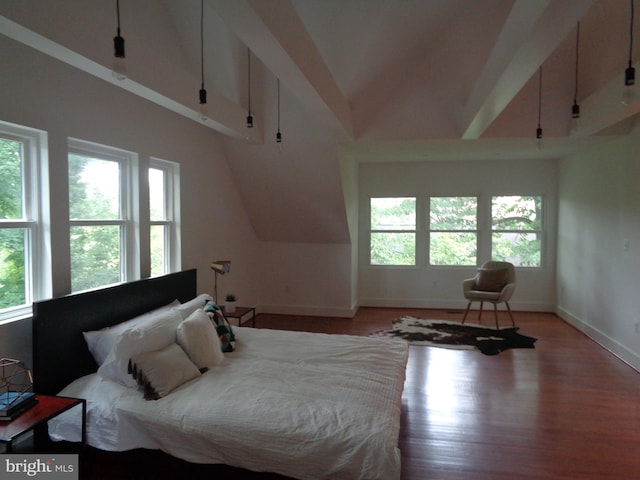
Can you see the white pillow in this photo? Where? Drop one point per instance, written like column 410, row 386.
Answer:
column 153, row 334
column 198, row 338
column 161, row 371
column 189, row 307
column 101, row 342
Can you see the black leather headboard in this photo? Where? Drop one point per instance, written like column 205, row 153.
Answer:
column 60, row 354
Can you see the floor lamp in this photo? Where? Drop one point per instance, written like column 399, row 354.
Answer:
column 219, row 267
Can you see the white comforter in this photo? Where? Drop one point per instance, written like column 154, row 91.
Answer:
column 309, row 406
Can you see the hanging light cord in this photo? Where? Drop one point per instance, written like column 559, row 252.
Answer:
column 575, row 92
column 118, row 15
column 539, row 96
column 278, row 134
column 202, row 42
column 631, row 36
column 249, row 78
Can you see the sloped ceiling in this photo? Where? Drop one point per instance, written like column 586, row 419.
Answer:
column 375, row 80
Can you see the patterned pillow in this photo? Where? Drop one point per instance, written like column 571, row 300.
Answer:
column 223, row 327
column 160, row 372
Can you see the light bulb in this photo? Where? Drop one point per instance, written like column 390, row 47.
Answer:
column 574, row 123
column 539, row 139
column 628, row 95
column 119, row 68
column 202, row 109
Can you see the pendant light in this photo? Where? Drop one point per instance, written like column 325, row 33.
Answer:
column 119, row 69
column 575, row 108
column 202, row 94
column 629, row 93
column 539, row 129
column 278, row 134
column 249, row 116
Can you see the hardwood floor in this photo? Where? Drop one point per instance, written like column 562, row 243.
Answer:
column 567, row 409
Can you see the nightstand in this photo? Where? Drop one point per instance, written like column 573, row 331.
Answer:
column 48, row 407
column 241, row 312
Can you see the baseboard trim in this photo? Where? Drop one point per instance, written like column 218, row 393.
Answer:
column 616, row 348
column 311, row 311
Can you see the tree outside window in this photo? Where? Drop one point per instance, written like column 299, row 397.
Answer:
column 13, row 290
column 517, row 229
column 393, row 231
column 453, row 236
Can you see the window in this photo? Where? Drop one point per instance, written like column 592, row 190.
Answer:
column 393, row 231
column 164, row 209
column 516, row 224
column 23, row 216
column 103, row 227
column 453, row 235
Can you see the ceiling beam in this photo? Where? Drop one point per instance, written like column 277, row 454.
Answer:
column 224, row 116
column 274, row 32
column 604, row 108
column 531, row 33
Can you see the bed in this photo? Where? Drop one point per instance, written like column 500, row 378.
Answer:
column 303, row 405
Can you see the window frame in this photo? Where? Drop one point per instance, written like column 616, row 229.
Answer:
column 429, row 230
column 35, row 219
column 540, row 232
column 414, row 231
column 171, row 222
column 129, row 215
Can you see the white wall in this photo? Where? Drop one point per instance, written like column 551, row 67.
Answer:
column 441, row 287
column 599, row 215
column 42, row 93
column 305, row 279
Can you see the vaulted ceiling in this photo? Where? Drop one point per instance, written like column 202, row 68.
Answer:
column 372, row 80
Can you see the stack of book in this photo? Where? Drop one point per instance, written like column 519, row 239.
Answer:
column 13, row 404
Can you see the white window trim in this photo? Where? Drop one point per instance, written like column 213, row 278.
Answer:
column 172, row 221
column 415, row 231
column 129, row 202
column 477, row 230
column 36, row 218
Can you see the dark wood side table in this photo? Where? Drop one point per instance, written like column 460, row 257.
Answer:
column 241, row 312
column 48, row 407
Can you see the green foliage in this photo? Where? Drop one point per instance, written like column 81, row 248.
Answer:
column 12, row 291
column 517, row 227
column 453, row 248
column 393, row 224
column 516, row 230
column 393, row 248
column 95, row 249
column 453, row 213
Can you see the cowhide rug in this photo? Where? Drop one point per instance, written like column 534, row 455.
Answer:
column 441, row 333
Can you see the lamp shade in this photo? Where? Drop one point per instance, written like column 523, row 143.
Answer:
column 221, row 266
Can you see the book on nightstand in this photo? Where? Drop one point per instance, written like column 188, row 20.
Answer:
column 13, row 404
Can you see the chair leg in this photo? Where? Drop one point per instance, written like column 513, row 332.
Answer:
column 510, row 314
column 480, row 312
column 466, row 312
column 495, row 312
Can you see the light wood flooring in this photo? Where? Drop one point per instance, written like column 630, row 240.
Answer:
column 567, row 409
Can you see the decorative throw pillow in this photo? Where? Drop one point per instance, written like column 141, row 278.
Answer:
column 225, row 332
column 153, row 334
column 199, row 339
column 490, row 280
column 160, row 372
column 101, row 342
